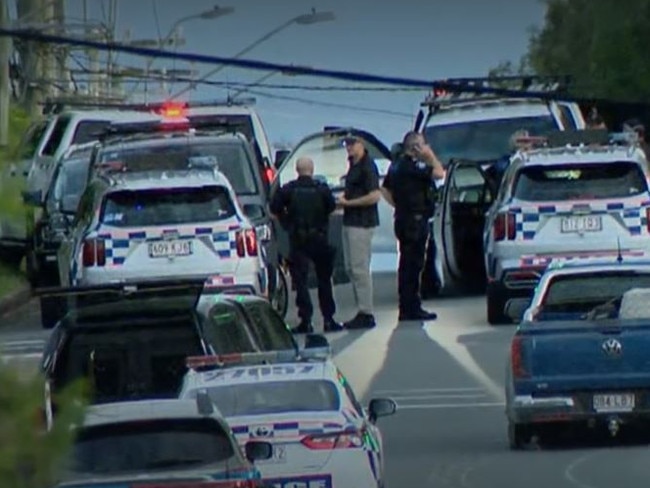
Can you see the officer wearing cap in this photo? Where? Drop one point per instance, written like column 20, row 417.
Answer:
column 409, row 188
column 303, row 207
column 360, row 218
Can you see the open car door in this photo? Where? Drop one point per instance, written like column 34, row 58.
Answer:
column 459, row 221
column 331, row 165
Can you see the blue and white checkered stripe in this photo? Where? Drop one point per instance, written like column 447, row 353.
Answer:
column 119, row 244
column 285, row 430
column 528, row 219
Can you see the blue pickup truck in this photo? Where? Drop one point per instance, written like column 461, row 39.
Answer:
column 594, row 371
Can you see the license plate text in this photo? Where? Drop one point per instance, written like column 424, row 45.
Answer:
column 620, row 402
column 586, row 223
column 167, row 249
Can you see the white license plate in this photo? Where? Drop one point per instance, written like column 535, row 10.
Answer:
column 279, row 456
column 167, row 249
column 623, row 402
column 586, row 223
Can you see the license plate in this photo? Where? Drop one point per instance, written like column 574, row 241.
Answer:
column 167, row 249
column 279, row 456
column 623, row 402
column 586, row 223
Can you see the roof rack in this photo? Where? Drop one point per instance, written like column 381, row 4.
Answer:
column 587, row 137
column 59, row 104
column 202, row 363
column 461, row 90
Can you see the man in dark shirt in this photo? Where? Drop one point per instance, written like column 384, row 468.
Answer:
column 408, row 187
column 303, row 207
column 360, row 218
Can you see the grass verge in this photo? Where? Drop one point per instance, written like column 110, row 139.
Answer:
column 10, row 280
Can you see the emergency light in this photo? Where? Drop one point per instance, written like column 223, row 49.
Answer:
column 249, row 358
column 173, row 110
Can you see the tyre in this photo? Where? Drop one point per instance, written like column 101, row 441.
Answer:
column 519, row 435
column 280, row 294
column 496, row 302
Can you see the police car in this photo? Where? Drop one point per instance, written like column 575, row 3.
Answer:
column 162, row 224
column 160, row 443
column 582, row 194
column 303, row 405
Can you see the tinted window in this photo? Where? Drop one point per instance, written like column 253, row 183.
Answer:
column 270, row 331
column 273, row 397
column 56, row 136
column 585, row 291
column 32, row 139
column 86, row 131
column 150, row 446
column 231, row 159
column 226, row 330
column 70, row 183
column 484, row 140
column 167, row 206
column 585, row 181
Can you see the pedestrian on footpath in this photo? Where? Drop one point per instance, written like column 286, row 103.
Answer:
column 303, row 207
column 360, row 218
column 408, row 187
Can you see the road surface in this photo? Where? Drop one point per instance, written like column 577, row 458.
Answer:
column 447, row 377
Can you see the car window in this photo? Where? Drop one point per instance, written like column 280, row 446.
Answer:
column 69, row 184
column 167, row 206
column 154, row 445
column 86, row 130
column 270, row 331
column 593, row 181
column 483, row 140
column 56, row 136
column 229, row 158
column 225, row 330
column 264, row 398
column 468, row 185
column 29, row 145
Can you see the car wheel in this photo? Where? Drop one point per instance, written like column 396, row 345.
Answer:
column 496, row 303
column 280, row 294
column 519, row 435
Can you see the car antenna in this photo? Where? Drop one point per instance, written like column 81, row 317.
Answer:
column 619, row 256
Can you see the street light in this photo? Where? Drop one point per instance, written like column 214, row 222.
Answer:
column 305, row 19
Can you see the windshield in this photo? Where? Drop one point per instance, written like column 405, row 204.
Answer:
column 231, row 159
column 276, row 397
column 167, row 206
column 483, row 140
column 150, row 446
column 330, row 160
column 582, row 292
column 70, row 183
column 579, row 181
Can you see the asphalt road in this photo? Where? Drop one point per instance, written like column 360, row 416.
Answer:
column 447, row 377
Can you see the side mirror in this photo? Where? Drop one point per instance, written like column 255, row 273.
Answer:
column 33, row 197
column 316, row 341
column 280, row 156
column 253, row 211
column 258, row 451
column 381, row 407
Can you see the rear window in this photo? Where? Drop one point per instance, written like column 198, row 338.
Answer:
column 260, row 398
column 87, row 130
column 578, row 182
column 56, row 136
column 167, row 206
column 580, row 293
column 231, row 159
column 150, row 446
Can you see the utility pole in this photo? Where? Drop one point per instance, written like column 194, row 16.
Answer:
column 5, row 82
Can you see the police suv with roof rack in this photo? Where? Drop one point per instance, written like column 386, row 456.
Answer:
column 169, row 443
column 304, row 406
column 577, row 194
column 171, row 142
column 159, row 224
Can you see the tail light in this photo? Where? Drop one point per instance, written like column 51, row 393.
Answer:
column 246, row 243
column 336, row 440
column 517, row 358
column 647, row 218
column 269, row 174
column 94, row 253
column 505, row 226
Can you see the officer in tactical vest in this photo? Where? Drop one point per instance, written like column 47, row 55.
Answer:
column 303, row 207
column 409, row 188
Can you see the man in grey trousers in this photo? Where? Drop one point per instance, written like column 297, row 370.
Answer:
column 360, row 218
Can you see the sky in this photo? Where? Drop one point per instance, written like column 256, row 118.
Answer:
column 422, row 39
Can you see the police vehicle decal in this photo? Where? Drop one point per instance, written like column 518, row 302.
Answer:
column 241, row 373
column 287, row 430
column 542, row 260
column 310, row 481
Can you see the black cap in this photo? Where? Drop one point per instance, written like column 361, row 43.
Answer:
column 350, row 139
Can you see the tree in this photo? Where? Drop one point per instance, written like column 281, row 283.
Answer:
column 602, row 44
column 29, row 456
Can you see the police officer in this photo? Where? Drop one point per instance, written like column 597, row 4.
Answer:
column 303, row 207
column 409, row 188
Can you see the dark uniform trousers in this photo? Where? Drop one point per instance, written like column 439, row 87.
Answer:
column 322, row 254
column 412, row 233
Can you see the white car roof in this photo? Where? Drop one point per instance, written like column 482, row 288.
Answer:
column 113, row 413
column 581, row 154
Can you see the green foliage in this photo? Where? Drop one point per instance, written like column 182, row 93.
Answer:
column 602, row 44
column 18, row 123
column 29, row 456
